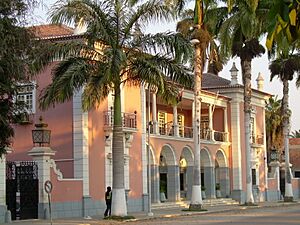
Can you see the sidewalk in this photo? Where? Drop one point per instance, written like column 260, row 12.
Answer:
column 158, row 213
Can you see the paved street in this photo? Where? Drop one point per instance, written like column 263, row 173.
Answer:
column 266, row 213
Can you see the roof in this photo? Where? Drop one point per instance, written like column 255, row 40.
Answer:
column 51, row 30
column 212, row 80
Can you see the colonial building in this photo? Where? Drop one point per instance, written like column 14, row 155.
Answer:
column 79, row 159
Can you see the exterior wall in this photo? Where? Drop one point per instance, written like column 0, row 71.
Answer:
column 59, row 121
column 294, row 144
column 218, row 119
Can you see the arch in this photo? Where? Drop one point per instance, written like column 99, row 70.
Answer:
column 188, row 155
column 167, row 155
column 205, row 158
column 221, row 158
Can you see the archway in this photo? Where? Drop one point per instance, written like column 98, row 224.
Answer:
column 169, row 174
column 186, row 166
column 154, row 177
column 207, row 174
column 222, row 174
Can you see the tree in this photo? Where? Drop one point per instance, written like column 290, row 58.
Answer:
column 16, row 44
column 295, row 134
column 239, row 36
column 114, row 52
column 285, row 67
column 274, row 124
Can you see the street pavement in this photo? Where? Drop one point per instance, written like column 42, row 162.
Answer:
column 160, row 215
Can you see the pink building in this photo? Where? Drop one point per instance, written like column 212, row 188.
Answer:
column 79, row 163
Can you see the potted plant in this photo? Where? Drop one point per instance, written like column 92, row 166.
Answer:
column 218, row 190
column 203, row 192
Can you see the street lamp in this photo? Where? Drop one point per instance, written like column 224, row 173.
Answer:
column 40, row 135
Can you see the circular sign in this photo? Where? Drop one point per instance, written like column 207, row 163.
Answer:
column 48, row 186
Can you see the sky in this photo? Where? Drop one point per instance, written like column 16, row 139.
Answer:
column 259, row 65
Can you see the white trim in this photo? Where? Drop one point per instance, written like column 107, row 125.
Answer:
column 143, row 147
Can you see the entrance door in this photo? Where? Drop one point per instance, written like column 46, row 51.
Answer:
column 22, row 195
column 163, row 183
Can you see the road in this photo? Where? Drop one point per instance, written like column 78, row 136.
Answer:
column 273, row 215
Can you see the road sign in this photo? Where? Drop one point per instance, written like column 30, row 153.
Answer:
column 48, row 186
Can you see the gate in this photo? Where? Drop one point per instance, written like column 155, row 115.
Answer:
column 22, row 195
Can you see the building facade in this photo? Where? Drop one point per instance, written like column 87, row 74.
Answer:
column 79, row 159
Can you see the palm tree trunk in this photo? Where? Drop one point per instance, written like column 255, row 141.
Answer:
column 288, row 195
column 196, row 199
column 246, row 70
column 119, row 207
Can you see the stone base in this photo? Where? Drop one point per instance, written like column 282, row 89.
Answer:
column 193, row 207
column 238, row 195
column 86, row 206
column 288, row 199
column 145, row 202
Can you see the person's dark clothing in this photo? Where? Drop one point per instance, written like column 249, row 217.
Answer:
column 108, row 202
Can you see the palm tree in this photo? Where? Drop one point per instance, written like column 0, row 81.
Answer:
column 125, row 56
column 239, row 37
column 283, row 40
column 285, row 67
column 273, row 124
column 295, row 134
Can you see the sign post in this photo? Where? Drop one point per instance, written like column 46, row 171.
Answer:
column 48, row 188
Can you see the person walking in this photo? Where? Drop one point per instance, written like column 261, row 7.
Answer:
column 108, row 201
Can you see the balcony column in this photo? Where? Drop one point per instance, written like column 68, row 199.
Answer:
column 225, row 124
column 154, row 114
column 175, row 121
column 210, row 116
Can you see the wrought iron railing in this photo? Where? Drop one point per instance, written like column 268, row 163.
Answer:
column 220, row 136
column 187, row 132
column 205, row 134
column 128, row 119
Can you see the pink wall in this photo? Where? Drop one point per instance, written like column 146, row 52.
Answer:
column 65, row 190
column 218, row 119
column 294, row 144
column 59, row 121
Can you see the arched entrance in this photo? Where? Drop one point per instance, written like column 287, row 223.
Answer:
column 222, row 173
column 169, row 174
column 154, row 177
column 186, row 164
column 207, row 173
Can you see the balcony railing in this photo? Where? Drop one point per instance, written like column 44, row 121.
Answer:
column 205, row 134
column 220, row 136
column 128, row 119
column 187, row 132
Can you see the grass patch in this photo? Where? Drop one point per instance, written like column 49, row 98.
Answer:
column 119, row 218
column 194, row 210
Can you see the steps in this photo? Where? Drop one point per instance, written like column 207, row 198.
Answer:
column 185, row 204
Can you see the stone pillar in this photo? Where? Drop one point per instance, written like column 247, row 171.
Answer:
column 42, row 156
column 189, row 181
column 173, row 183
column 209, row 181
column 154, row 114
column 224, row 181
column 275, row 173
column 175, row 121
column 3, row 208
column 210, row 116
column 155, row 184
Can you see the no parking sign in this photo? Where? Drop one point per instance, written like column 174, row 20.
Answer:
column 48, row 188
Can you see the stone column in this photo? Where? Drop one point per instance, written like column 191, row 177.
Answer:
column 175, row 121
column 173, row 183
column 4, row 215
column 154, row 114
column 210, row 116
column 224, row 181
column 209, row 181
column 275, row 173
column 42, row 156
column 155, row 184
column 189, row 181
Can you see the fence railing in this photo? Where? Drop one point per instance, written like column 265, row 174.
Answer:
column 128, row 119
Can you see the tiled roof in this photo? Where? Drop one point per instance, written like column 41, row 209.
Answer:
column 212, row 80
column 51, row 30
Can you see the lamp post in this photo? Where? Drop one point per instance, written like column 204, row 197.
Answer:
column 150, row 213
column 40, row 135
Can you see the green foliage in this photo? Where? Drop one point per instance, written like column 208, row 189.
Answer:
column 295, row 134
column 16, row 44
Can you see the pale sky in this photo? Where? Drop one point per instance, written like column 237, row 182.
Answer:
column 258, row 65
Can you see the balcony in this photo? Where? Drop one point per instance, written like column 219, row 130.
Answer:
column 128, row 120
column 220, row 136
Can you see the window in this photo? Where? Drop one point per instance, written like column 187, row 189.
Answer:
column 180, row 119
column 162, row 122
column 26, row 95
column 297, row 174
column 252, row 130
column 254, row 177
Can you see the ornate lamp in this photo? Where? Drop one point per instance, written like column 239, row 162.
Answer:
column 274, row 156
column 40, row 135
